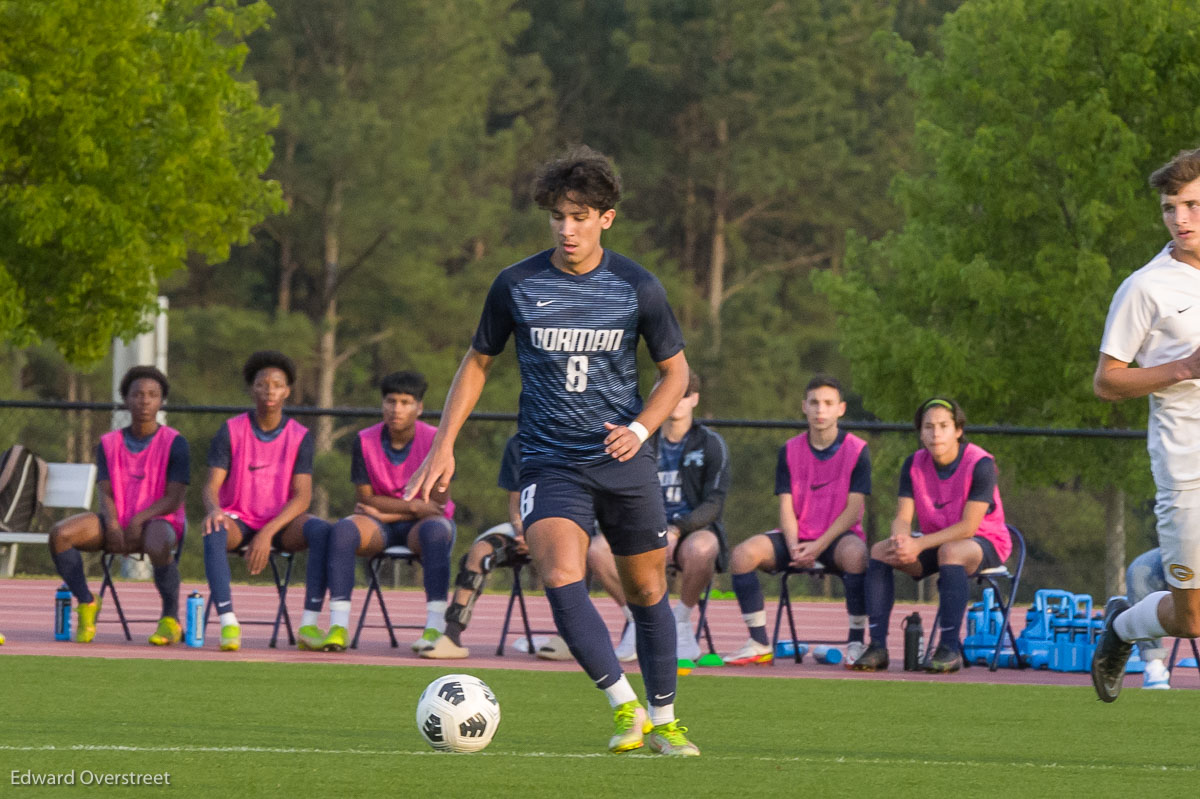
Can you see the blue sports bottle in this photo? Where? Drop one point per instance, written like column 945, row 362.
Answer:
column 62, row 614
column 827, row 654
column 195, row 620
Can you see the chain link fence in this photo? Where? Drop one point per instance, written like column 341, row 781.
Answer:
column 1063, row 525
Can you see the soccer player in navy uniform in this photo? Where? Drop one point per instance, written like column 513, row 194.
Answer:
column 576, row 313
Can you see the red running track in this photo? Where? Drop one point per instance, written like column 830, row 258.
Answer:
column 27, row 618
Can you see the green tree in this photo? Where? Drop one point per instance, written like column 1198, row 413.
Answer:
column 127, row 141
column 1038, row 124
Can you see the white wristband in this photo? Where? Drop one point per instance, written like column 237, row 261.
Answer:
column 639, row 430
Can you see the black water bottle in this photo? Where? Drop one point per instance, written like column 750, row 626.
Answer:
column 914, row 642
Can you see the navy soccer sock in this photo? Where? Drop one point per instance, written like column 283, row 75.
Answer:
column 580, row 625
column 880, row 590
column 343, row 544
column 316, row 533
column 216, row 569
column 656, row 650
column 952, row 587
column 70, row 567
column 856, row 600
column 166, row 580
column 436, row 537
column 750, row 600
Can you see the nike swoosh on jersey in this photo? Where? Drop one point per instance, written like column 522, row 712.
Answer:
column 815, row 486
column 256, row 468
column 543, row 303
column 138, row 476
column 940, row 505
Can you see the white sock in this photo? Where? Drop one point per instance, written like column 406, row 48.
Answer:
column 435, row 615
column 683, row 613
column 858, row 622
column 756, row 619
column 1141, row 622
column 620, row 692
column 228, row 619
column 627, row 613
column 662, row 714
column 339, row 613
column 309, row 618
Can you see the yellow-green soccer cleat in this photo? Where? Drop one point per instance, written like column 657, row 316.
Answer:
column 426, row 640
column 231, row 638
column 85, row 613
column 632, row 724
column 669, row 739
column 168, row 632
column 1, row 639
column 310, row 638
column 336, row 640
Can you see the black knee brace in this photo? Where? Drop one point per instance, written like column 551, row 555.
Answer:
column 473, row 581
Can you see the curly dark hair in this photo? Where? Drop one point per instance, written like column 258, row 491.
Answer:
column 266, row 359
column 139, row 372
column 413, row 383
column 583, row 176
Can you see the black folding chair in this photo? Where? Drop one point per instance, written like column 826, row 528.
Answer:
column 517, row 597
column 281, row 586
column 1175, row 653
column 391, row 554
column 785, row 605
column 1004, row 601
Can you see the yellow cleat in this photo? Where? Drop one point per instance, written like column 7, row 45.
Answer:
column 86, row 613
column 632, row 724
column 231, row 638
column 168, row 632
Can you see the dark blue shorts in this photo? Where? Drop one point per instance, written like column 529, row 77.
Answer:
column 395, row 534
column 624, row 498
column 929, row 561
column 783, row 555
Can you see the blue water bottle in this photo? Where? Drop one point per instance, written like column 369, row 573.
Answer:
column 62, row 614
column 827, row 654
column 195, row 620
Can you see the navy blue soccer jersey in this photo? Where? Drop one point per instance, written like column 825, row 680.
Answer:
column 577, row 338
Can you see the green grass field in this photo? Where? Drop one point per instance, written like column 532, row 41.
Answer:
column 266, row 729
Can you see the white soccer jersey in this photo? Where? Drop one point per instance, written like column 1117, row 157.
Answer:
column 1155, row 319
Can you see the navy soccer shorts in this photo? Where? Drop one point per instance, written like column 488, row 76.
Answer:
column 624, row 498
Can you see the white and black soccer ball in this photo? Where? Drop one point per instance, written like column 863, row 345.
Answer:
column 458, row 713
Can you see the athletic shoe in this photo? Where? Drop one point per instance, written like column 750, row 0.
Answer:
column 632, row 724
column 945, row 660
column 310, row 638
column 627, row 648
column 1156, row 677
column 752, row 653
column 231, row 638
column 875, row 658
column 445, row 649
column 554, row 648
column 1, row 639
column 686, row 645
column 426, row 640
column 854, row 650
column 669, row 739
column 168, row 632
column 336, row 640
column 86, row 613
column 1108, row 664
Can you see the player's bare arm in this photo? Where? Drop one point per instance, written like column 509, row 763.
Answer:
column 623, row 443
column 433, row 476
column 214, row 517
column 259, row 550
column 1115, row 380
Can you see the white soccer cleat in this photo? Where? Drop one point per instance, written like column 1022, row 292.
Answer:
column 1156, row 677
column 751, row 654
column 627, row 648
column 686, row 645
column 854, row 651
